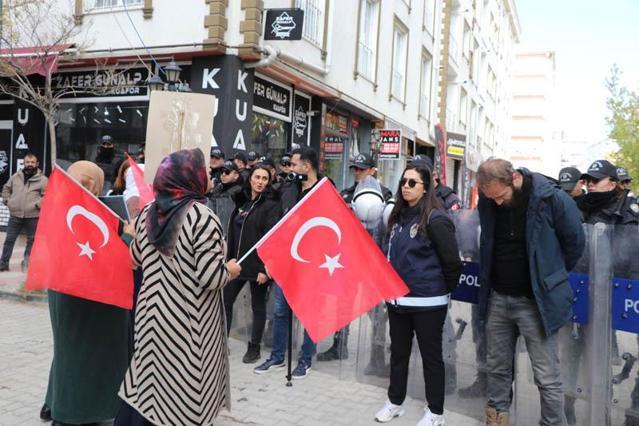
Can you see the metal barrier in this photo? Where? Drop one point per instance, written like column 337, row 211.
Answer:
column 598, row 349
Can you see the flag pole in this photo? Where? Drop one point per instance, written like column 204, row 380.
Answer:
column 290, row 349
column 282, row 220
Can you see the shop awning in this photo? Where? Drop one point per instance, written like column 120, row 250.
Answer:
column 35, row 60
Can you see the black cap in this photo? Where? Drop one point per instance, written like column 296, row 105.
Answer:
column 217, row 153
column 601, row 169
column 230, row 166
column 252, row 156
column 106, row 140
column 622, row 175
column 422, row 160
column 240, row 155
column 285, row 160
column 568, row 178
column 268, row 162
column 363, row 161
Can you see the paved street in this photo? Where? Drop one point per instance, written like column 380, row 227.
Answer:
column 320, row 399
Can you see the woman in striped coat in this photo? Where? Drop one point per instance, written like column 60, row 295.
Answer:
column 179, row 370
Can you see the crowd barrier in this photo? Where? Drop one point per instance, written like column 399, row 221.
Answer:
column 598, row 348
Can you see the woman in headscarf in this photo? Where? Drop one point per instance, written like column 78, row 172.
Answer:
column 90, row 344
column 179, row 370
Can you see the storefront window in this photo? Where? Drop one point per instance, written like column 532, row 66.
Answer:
column 269, row 136
column 81, row 126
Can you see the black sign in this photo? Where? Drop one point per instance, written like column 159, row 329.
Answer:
column 301, row 121
column 5, row 154
column 28, row 135
column 390, row 144
column 272, row 99
column 283, row 24
column 225, row 77
column 456, row 145
column 97, row 84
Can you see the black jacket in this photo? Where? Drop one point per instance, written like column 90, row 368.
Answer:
column 261, row 217
column 291, row 193
column 447, row 197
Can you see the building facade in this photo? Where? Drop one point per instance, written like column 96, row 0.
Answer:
column 361, row 67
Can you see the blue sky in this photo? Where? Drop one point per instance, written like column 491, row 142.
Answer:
column 588, row 36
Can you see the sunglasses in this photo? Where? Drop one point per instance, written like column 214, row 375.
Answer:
column 286, row 164
column 411, row 182
column 593, row 180
column 226, row 172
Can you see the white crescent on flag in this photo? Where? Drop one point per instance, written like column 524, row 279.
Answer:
column 331, row 263
column 85, row 248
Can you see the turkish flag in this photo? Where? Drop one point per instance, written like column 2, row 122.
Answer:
column 329, row 268
column 144, row 189
column 77, row 249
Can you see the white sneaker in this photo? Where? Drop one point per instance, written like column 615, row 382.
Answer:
column 431, row 419
column 388, row 412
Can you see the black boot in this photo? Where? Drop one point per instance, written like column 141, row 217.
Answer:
column 252, row 354
column 477, row 389
column 45, row 413
column 335, row 352
column 569, row 410
column 377, row 365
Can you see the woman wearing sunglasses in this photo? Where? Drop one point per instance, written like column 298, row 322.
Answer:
column 421, row 246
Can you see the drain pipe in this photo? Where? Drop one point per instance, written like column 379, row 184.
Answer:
column 275, row 53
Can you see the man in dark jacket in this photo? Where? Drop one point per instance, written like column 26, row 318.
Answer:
column 445, row 194
column 216, row 163
column 221, row 198
column 531, row 237
column 305, row 164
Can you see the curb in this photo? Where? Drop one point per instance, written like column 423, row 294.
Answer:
column 23, row 297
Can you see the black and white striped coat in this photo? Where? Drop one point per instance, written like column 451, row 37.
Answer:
column 179, row 370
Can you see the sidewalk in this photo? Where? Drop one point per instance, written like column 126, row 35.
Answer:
column 320, row 399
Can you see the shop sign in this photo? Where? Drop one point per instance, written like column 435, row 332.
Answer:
column 390, row 144
column 336, row 123
column 100, row 84
column 272, row 99
column 300, row 120
column 333, row 147
column 28, row 136
column 225, row 77
column 283, row 24
column 456, row 145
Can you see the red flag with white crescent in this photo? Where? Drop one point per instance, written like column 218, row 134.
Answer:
column 328, row 266
column 77, row 248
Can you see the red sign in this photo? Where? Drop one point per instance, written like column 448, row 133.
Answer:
column 390, row 144
column 333, row 147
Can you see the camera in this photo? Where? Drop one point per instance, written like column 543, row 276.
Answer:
column 295, row 177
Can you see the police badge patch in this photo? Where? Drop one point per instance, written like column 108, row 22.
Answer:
column 635, row 208
column 413, row 230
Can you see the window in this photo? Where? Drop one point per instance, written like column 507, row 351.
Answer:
column 463, row 109
column 429, row 16
column 367, row 49
column 108, row 4
column 398, row 76
column 313, row 20
column 425, row 86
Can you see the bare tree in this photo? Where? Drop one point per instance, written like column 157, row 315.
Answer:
column 36, row 36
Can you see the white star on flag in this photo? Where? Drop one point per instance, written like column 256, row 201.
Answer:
column 86, row 250
column 332, row 263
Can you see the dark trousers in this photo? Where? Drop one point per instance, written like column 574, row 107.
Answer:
column 15, row 226
column 259, row 294
column 428, row 327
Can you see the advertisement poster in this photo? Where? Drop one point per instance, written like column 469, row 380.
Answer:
column 390, row 144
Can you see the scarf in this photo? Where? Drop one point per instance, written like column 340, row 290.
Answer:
column 596, row 201
column 181, row 181
column 89, row 175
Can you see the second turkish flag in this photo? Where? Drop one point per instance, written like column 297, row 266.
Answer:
column 77, row 249
column 329, row 268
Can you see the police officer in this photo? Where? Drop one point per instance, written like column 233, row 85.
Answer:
column 285, row 167
column 605, row 203
column 215, row 163
column 241, row 161
column 361, row 166
column 222, row 196
column 252, row 158
column 571, row 182
column 445, row 194
column 624, row 181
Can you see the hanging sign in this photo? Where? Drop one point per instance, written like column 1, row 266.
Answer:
column 390, row 144
column 283, row 24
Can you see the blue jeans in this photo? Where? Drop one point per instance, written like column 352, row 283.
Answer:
column 280, row 331
column 509, row 317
